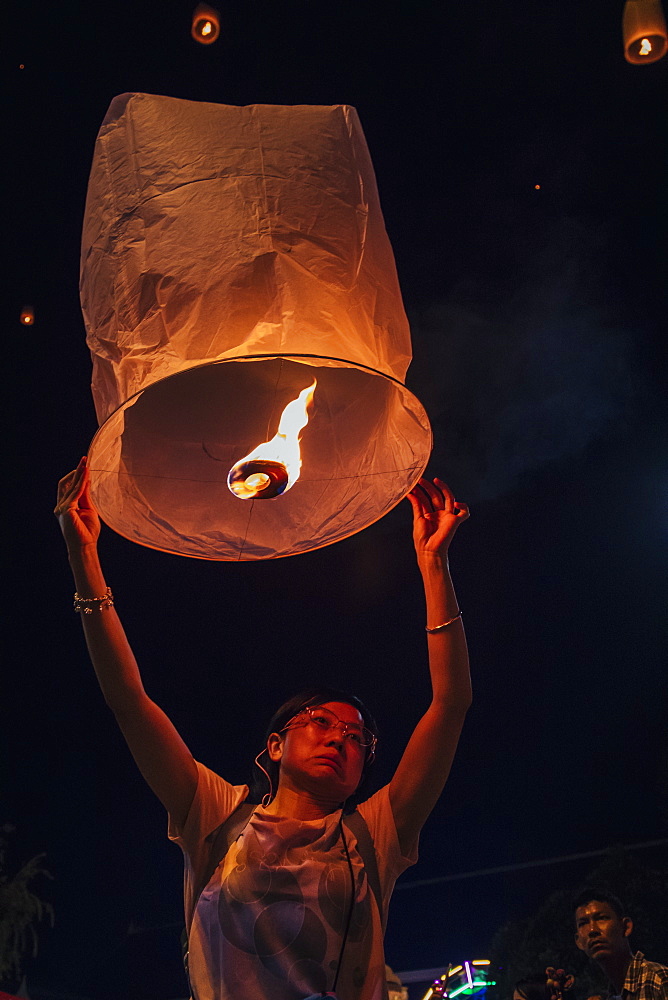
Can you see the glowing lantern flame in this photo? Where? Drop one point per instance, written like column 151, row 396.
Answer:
column 27, row 316
column 645, row 47
column 274, row 466
column 205, row 26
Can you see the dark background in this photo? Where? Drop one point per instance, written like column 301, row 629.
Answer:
column 538, row 320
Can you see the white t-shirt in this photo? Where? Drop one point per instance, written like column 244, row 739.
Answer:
column 270, row 922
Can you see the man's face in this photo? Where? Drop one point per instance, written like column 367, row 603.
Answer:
column 599, row 932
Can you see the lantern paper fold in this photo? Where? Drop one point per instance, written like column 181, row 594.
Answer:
column 229, row 255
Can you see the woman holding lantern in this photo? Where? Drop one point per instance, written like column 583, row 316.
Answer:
column 288, row 899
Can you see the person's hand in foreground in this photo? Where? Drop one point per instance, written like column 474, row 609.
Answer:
column 76, row 513
column 436, row 516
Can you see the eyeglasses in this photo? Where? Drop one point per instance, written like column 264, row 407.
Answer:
column 324, row 719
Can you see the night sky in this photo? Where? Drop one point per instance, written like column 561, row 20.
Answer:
column 538, row 323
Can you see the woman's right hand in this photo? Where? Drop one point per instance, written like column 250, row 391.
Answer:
column 76, row 513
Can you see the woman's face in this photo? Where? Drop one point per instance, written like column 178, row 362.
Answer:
column 324, row 761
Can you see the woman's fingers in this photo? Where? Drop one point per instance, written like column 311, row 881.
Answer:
column 447, row 494
column 462, row 510
column 64, row 490
column 428, row 497
column 65, row 483
column 438, row 494
column 420, row 499
column 430, row 494
column 85, row 500
column 71, row 487
column 415, row 502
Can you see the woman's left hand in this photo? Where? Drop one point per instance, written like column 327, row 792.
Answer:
column 436, row 516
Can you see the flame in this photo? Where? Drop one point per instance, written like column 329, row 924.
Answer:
column 274, row 466
column 206, row 28
column 645, row 47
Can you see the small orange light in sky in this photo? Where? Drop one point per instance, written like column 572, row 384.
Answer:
column 205, row 26
column 537, row 187
column 21, row 66
column 27, row 316
column 644, row 30
column 273, row 467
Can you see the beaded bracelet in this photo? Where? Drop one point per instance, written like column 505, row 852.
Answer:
column 102, row 602
column 439, row 628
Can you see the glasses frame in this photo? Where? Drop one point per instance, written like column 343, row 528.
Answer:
column 308, row 710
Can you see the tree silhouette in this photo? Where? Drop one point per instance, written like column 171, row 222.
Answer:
column 20, row 911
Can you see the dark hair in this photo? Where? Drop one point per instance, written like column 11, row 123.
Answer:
column 602, row 896
column 532, row 987
column 287, row 711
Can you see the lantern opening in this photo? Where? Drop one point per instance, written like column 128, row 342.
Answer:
column 648, row 48
column 274, row 466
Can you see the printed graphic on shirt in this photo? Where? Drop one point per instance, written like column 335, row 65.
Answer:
column 275, row 911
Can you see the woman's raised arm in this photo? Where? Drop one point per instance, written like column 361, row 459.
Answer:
column 426, row 762
column 161, row 755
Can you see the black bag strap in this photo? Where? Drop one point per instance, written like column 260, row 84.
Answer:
column 220, row 840
column 356, row 823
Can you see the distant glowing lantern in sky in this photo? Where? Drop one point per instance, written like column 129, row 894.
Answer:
column 248, row 335
column 205, row 26
column 27, row 316
column 644, row 30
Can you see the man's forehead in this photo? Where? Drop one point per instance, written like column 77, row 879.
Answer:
column 593, row 907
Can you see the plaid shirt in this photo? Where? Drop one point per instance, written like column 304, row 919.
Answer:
column 645, row 980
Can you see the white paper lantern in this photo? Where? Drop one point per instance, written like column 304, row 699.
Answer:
column 230, row 257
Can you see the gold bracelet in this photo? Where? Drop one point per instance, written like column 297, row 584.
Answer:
column 102, row 602
column 439, row 628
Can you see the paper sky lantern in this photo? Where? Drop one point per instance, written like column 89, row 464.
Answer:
column 205, row 26
column 27, row 316
column 644, row 30
column 248, row 336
